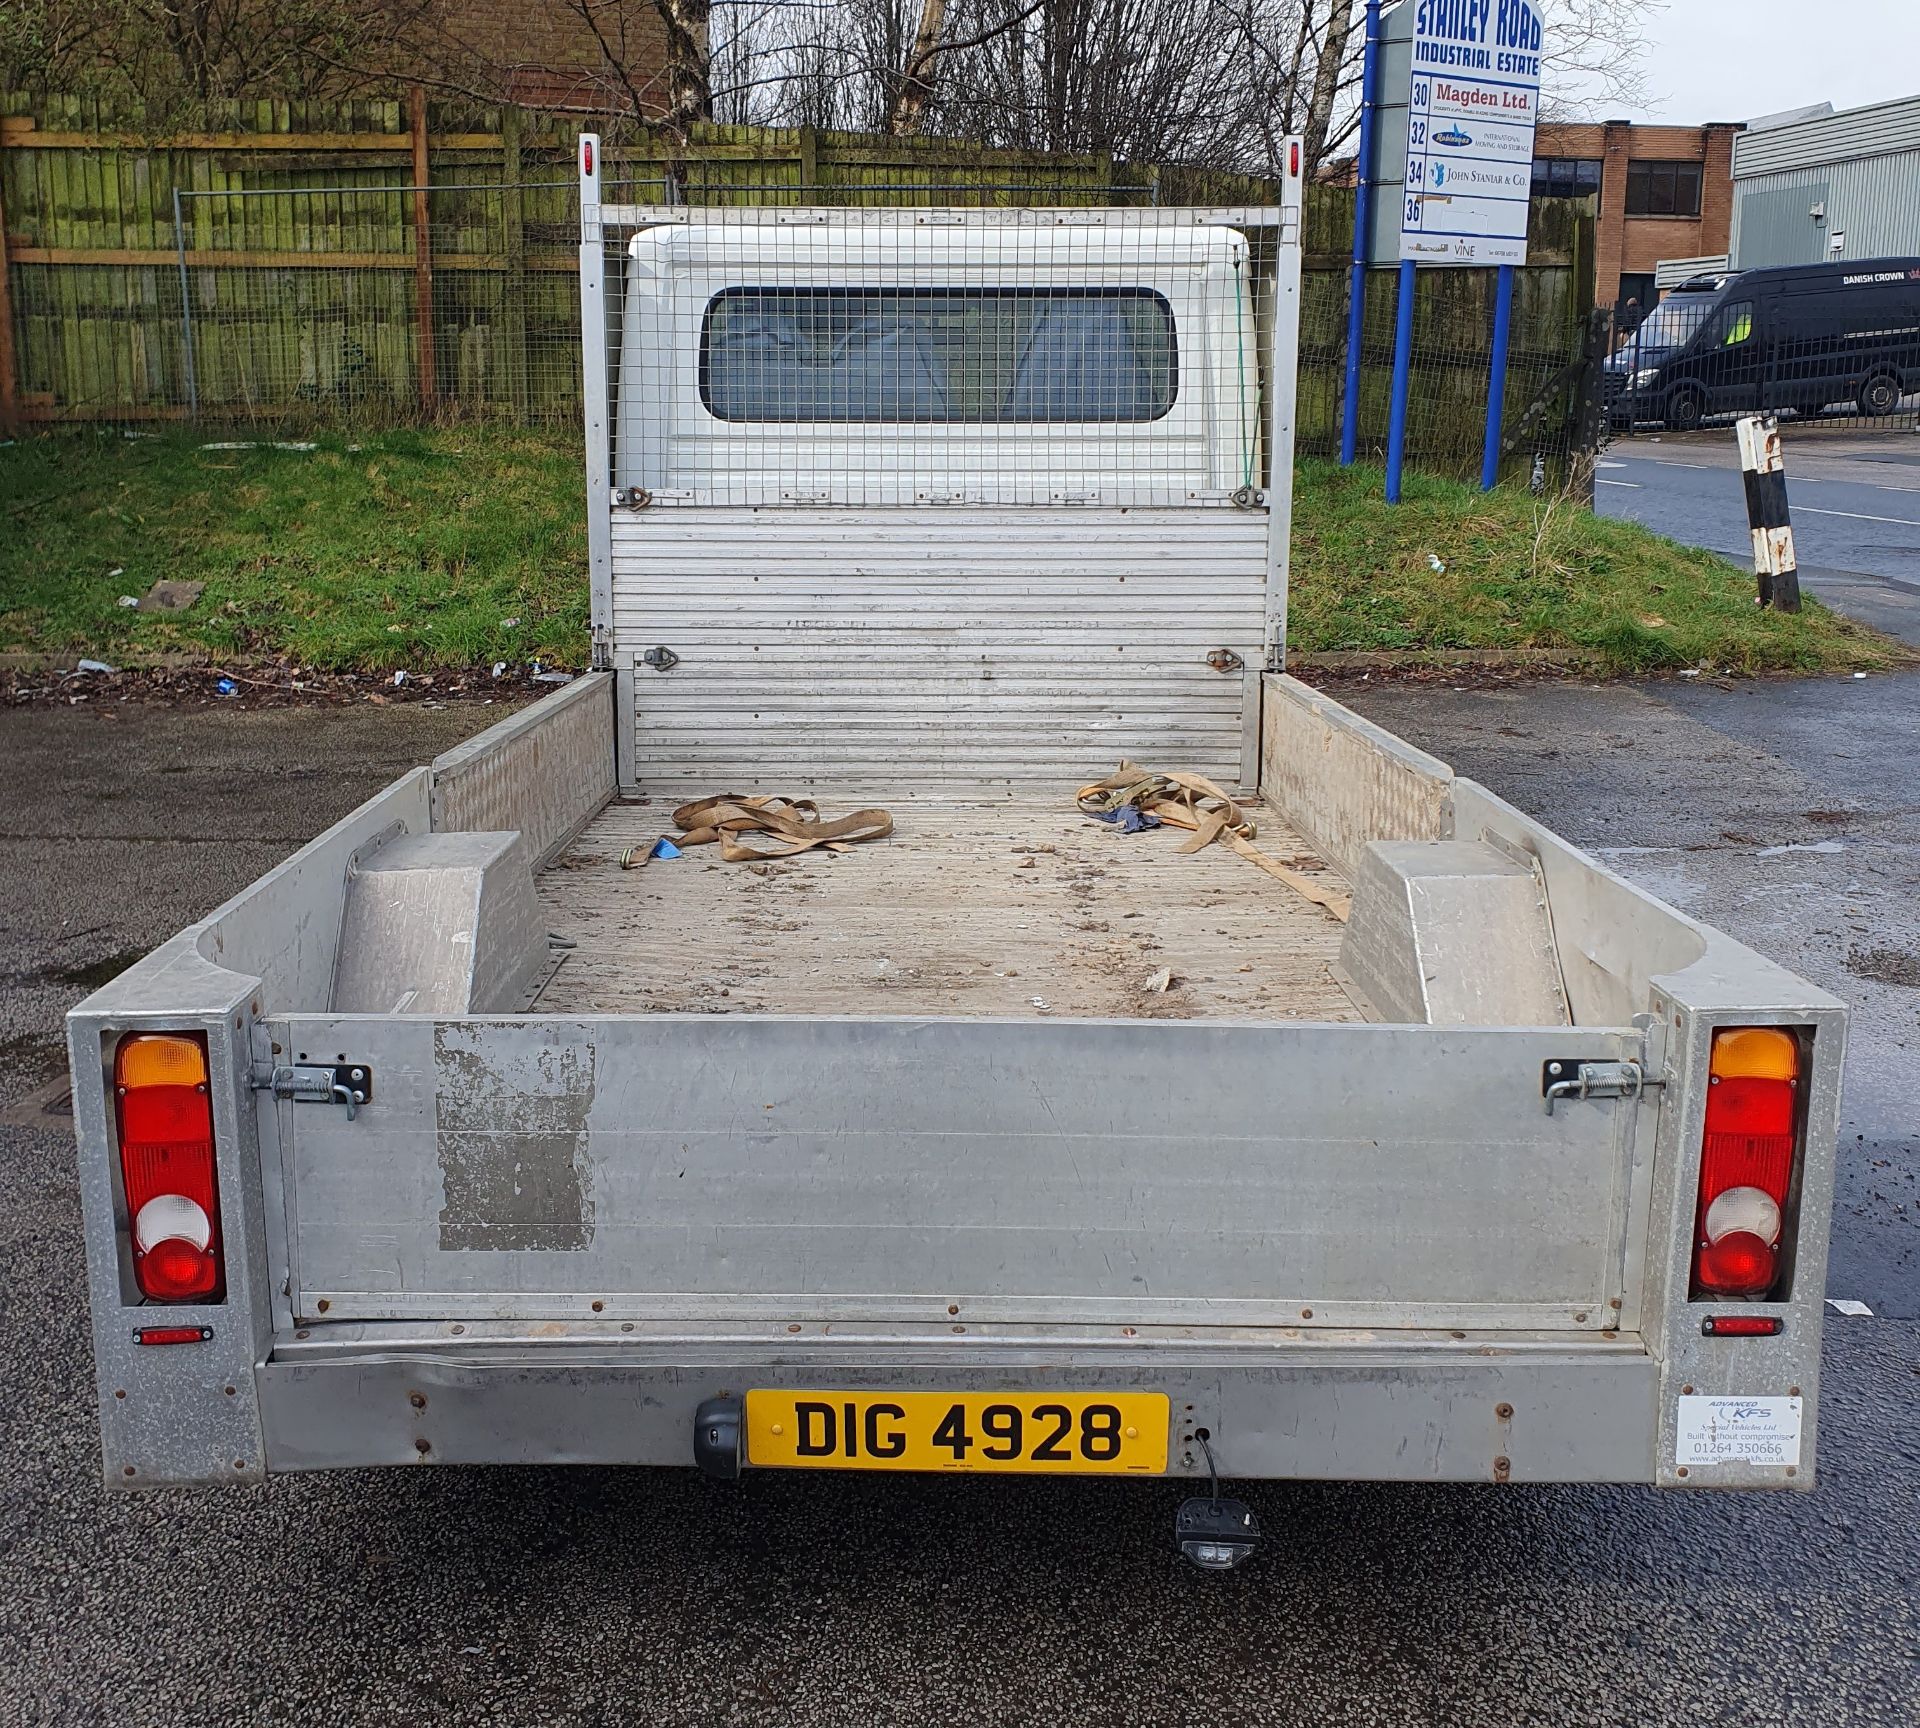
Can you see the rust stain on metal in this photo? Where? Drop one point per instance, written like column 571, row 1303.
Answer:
column 511, row 1122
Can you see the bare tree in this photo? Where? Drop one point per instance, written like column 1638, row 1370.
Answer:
column 916, row 79
column 689, row 78
column 1592, row 58
column 169, row 50
column 1216, row 84
column 1330, row 63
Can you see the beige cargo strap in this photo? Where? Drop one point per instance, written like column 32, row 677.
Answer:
column 794, row 824
column 1195, row 802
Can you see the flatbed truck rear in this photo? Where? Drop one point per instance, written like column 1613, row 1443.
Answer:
column 1013, row 1141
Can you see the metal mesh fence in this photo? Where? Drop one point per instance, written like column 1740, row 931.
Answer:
column 367, row 301
column 910, row 354
column 1451, row 372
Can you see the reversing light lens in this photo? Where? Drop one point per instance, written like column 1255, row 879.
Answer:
column 1751, row 1211
column 168, row 1218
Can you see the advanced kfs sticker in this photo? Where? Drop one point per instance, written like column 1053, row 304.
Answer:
column 1732, row 1430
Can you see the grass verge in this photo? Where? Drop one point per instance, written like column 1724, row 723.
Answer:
column 403, row 548
column 459, row 547
column 1519, row 572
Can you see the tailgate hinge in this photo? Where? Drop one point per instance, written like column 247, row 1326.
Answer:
column 345, row 1083
column 1563, row 1079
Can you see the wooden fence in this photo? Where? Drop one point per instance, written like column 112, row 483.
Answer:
column 406, row 259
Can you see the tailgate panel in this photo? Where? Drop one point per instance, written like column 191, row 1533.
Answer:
column 838, row 1168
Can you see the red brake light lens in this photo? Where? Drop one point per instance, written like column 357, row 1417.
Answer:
column 1746, row 1161
column 1736, row 1265
column 165, row 1115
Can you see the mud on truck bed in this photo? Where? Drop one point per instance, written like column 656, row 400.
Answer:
column 993, row 907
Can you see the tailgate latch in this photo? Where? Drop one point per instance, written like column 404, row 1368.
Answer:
column 345, row 1083
column 1561, row 1079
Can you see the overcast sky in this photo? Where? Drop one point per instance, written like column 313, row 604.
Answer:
column 1735, row 59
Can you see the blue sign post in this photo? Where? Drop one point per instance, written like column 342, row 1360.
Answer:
column 1497, row 384
column 1362, row 226
column 1402, row 380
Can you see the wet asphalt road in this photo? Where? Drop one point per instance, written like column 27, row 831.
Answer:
column 536, row 1596
column 1854, row 496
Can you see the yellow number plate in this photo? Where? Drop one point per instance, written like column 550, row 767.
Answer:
column 1080, row 1434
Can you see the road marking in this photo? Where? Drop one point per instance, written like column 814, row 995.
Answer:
column 1851, row 515
column 1631, row 485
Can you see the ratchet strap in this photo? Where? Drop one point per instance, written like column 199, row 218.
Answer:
column 1194, row 802
column 791, row 825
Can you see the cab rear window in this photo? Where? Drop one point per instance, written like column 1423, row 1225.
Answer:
column 938, row 355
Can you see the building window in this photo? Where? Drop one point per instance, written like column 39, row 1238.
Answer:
column 1663, row 188
column 1565, row 177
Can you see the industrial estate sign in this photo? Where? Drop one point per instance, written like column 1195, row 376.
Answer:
column 1472, row 102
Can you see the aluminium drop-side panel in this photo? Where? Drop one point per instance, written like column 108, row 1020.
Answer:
column 722, row 1165
column 936, row 648
column 542, row 771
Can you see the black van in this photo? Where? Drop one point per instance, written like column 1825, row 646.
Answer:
column 1798, row 337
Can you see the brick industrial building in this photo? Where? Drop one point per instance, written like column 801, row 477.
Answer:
column 1664, row 192
column 546, row 55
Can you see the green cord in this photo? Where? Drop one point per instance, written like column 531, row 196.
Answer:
column 1240, row 335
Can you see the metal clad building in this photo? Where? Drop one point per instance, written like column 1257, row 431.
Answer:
column 1830, row 186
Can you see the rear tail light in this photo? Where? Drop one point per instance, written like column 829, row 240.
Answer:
column 165, row 1117
column 1746, row 1162
column 173, row 1334
column 1742, row 1325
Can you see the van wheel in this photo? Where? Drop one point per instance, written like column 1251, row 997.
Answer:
column 1879, row 397
column 1686, row 408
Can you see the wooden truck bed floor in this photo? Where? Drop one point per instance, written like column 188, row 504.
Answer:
column 992, row 909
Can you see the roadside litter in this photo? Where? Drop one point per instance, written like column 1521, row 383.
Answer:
column 1128, row 818
column 634, row 858
column 1195, row 802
